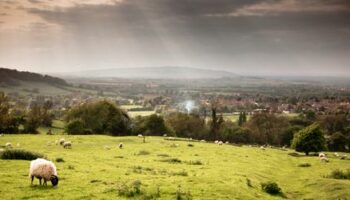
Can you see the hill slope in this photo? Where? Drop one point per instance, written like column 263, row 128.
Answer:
column 157, row 73
column 12, row 77
column 95, row 168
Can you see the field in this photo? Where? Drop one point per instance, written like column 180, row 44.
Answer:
column 95, row 168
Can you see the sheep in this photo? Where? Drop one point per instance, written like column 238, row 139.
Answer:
column 220, row 143
column 61, row 141
column 1, row 135
column 67, row 144
column 165, row 135
column 336, row 154
column 227, row 142
column 121, row 145
column 8, row 145
column 343, row 157
column 139, row 135
column 43, row 169
column 202, row 140
column 216, row 141
column 324, row 158
column 320, row 155
column 262, row 147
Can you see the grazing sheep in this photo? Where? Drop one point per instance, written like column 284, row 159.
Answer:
column 121, row 145
column 343, row 157
column 165, row 135
column 216, row 141
column 325, row 159
column 1, row 135
column 202, row 140
column 61, row 141
column 227, row 142
column 67, row 144
column 262, row 147
column 8, row 145
column 336, row 154
column 321, row 155
column 140, row 135
column 220, row 143
column 43, row 169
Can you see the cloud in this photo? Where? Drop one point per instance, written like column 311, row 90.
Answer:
column 291, row 6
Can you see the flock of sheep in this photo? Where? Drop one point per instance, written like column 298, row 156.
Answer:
column 46, row 170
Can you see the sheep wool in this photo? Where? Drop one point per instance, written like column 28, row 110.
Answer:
column 62, row 140
column 67, row 144
column 321, row 155
column 8, row 145
column 43, row 169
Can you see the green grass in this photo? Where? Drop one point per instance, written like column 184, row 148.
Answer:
column 90, row 171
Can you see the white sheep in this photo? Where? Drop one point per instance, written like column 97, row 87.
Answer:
column 202, row 140
column 324, row 158
column 227, row 142
column 343, row 157
column 43, row 169
column 165, row 135
column 320, row 155
column 220, row 143
column 8, row 145
column 1, row 135
column 67, row 144
column 140, row 135
column 336, row 154
column 262, row 147
column 121, row 145
column 216, row 141
column 61, row 141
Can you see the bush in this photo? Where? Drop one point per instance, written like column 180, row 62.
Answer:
column 59, row 160
column 271, row 188
column 339, row 174
column 75, row 127
column 18, row 154
column 130, row 190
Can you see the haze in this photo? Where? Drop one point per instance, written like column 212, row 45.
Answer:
column 248, row 37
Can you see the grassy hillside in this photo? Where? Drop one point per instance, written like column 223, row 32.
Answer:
column 95, row 168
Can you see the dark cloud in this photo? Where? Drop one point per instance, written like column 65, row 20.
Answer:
column 247, row 34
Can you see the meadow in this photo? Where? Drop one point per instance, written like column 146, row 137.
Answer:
column 95, row 168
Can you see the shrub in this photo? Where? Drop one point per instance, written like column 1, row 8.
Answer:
column 304, row 165
column 130, row 190
column 75, row 126
column 271, row 188
column 59, row 160
column 18, row 154
column 339, row 174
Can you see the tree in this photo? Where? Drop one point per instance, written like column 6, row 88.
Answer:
column 32, row 120
column 309, row 139
column 242, row 118
column 338, row 142
column 187, row 125
column 267, row 128
column 101, row 117
column 215, row 120
column 9, row 123
column 46, row 115
column 155, row 125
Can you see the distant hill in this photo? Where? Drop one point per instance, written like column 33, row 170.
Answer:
column 156, row 73
column 12, row 77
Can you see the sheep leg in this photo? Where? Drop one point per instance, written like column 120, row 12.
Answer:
column 40, row 181
column 45, row 183
column 32, row 180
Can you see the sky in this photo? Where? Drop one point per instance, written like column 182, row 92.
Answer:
column 247, row 37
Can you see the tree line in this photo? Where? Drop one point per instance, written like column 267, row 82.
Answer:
column 262, row 128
